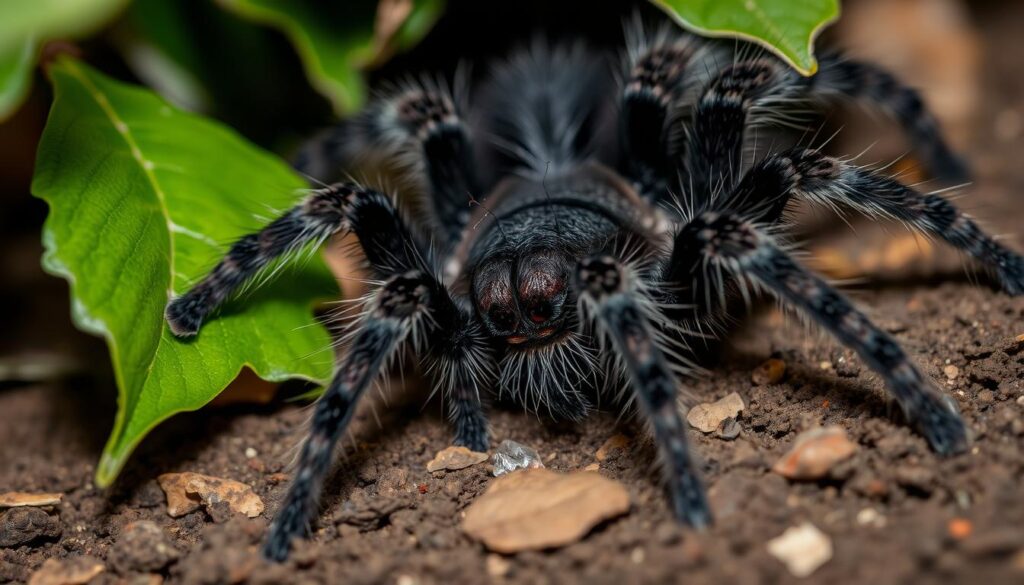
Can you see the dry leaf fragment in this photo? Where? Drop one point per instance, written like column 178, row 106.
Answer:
column 614, row 443
column 18, row 499
column 536, row 509
column 814, row 453
column 453, row 458
column 706, row 417
column 69, row 571
column 187, row 491
column 802, row 549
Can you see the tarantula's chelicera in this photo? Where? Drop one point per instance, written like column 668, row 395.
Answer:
column 615, row 218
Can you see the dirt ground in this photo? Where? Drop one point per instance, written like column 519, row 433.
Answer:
column 895, row 512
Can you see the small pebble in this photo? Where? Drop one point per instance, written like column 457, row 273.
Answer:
column 76, row 570
column 498, row 566
column 951, row 372
column 814, row 453
column 729, row 429
column 706, row 417
column 870, row 517
column 250, row 453
column 770, row 371
column 617, row 442
column 803, row 549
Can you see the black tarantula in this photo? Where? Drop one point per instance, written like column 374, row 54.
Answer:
column 614, row 219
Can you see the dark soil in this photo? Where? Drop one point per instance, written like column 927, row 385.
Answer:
column 387, row 520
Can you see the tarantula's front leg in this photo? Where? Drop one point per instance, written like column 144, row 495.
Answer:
column 392, row 314
column 607, row 293
column 713, row 244
column 655, row 82
column 387, row 243
column 809, row 174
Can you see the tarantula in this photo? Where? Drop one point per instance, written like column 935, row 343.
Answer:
column 614, row 218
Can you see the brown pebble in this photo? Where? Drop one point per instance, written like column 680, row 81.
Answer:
column 814, row 453
column 142, row 547
column 18, row 499
column 455, row 458
column 951, row 372
column 770, row 371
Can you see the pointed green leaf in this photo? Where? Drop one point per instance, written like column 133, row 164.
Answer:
column 15, row 76
column 143, row 199
column 335, row 40
column 21, row 20
column 787, row 27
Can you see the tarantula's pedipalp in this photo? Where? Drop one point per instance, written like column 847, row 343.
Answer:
column 393, row 314
column 811, row 175
column 725, row 242
column 606, row 294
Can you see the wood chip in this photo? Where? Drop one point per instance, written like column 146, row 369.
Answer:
column 537, row 509
column 770, row 371
column 814, row 453
column 19, row 499
column 187, row 491
column 69, row 571
column 616, row 442
column 453, row 458
column 707, row 417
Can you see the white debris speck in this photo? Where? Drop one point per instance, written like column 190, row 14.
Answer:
column 511, row 456
column 803, row 549
column 250, row 453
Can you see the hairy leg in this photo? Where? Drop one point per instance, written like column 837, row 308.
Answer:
column 607, row 295
column 655, row 81
column 393, row 314
column 838, row 77
column 389, row 246
column 808, row 174
column 725, row 243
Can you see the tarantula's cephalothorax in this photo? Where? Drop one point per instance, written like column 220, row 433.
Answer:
column 612, row 224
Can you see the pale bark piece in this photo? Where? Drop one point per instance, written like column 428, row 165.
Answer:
column 706, row 417
column 69, row 571
column 616, row 442
column 803, row 549
column 537, row 509
column 187, row 491
column 19, row 499
column 455, row 458
column 814, row 453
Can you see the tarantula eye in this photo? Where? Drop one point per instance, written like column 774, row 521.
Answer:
column 502, row 318
column 540, row 312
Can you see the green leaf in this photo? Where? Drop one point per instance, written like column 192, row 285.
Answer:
column 15, row 76
column 336, row 40
column 143, row 198
column 21, row 20
column 787, row 27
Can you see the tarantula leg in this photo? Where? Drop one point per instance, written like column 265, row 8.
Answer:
column 714, row 153
column 322, row 213
column 821, row 179
column 337, row 208
column 393, row 314
column 423, row 124
column 838, row 77
column 725, row 243
column 607, row 294
column 461, row 367
column 648, row 95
